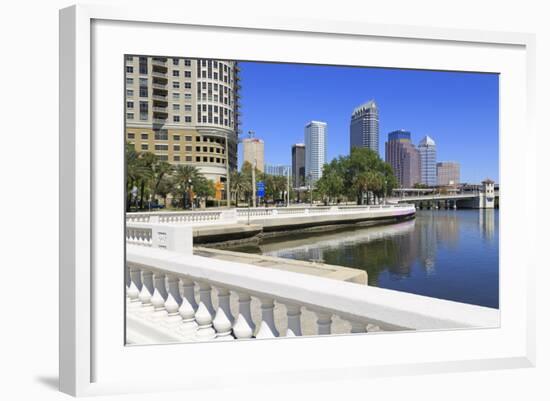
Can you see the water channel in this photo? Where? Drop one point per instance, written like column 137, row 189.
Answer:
column 448, row 254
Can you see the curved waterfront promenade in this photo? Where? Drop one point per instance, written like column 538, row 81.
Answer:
column 225, row 225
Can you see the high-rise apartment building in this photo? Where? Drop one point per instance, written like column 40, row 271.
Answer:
column 448, row 173
column 428, row 168
column 298, row 165
column 363, row 130
column 253, row 152
column 184, row 110
column 277, row 169
column 404, row 158
column 316, row 149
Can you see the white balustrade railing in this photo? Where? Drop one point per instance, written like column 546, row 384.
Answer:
column 163, row 305
column 232, row 215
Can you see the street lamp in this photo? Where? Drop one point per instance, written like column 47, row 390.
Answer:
column 190, row 192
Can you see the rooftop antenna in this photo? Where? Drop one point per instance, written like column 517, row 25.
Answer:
column 251, row 134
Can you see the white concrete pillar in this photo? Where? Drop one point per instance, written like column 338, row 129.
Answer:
column 293, row 313
column 324, row 321
column 267, row 326
column 244, row 326
column 146, row 292
column 205, row 331
column 223, row 320
column 159, row 296
column 173, row 302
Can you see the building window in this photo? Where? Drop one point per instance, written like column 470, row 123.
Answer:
column 143, row 110
column 217, row 159
column 175, row 73
column 175, row 61
column 144, row 136
column 187, row 85
column 189, row 148
column 175, row 107
column 176, row 148
column 188, row 138
column 187, row 119
column 187, row 107
column 163, row 158
column 187, row 63
column 130, row 116
column 143, row 91
column 176, row 119
column 188, row 96
column 129, row 69
column 161, row 135
column 211, row 160
column 143, row 65
column 144, row 146
column 205, row 159
column 175, row 96
column 188, row 158
column 198, row 148
column 131, row 135
column 129, row 92
column 176, row 138
column 176, row 158
column 129, row 58
column 161, row 147
column 187, row 74
column 129, row 81
column 198, row 139
column 130, row 105
column 175, row 85
column 204, row 149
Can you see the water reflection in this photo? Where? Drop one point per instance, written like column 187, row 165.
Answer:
column 450, row 254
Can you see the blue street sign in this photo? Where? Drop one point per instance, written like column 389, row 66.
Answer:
column 260, row 189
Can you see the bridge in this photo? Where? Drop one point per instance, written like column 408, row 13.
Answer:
column 428, row 198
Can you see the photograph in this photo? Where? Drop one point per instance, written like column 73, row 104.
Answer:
column 276, row 199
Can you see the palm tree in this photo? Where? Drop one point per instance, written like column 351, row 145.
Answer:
column 137, row 172
column 161, row 170
column 239, row 185
column 185, row 176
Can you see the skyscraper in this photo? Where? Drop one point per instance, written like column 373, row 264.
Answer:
column 184, row 110
column 298, row 165
column 448, row 173
column 316, row 150
column 428, row 169
column 404, row 158
column 253, row 150
column 363, row 130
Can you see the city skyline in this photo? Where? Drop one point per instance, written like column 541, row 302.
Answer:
column 468, row 100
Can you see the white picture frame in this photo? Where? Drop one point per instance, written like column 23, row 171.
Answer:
column 91, row 234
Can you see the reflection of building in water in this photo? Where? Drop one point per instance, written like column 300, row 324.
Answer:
column 447, row 229
column 427, row 241
column 487, row 223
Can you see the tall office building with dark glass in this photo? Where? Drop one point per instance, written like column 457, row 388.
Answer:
column 404, row 158
column 363, row 130
column 298, row 165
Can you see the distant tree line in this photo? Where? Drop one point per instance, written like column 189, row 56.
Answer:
column 362, row 176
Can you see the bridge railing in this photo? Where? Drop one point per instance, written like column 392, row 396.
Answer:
column 163, row 306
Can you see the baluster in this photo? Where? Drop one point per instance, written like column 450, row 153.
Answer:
column 134, row 288
column 293, row 313
column 205, row 313
column 267, row 326
column 224, row 319
column 372, row 328
column 187, row 309
column 324, row 320
column 205, row 297
column 358, row 327
column 173, row 302
column 159, row 297
column 244, row 326
column 146, row 291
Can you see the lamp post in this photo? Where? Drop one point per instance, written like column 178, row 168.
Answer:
column 254, row 184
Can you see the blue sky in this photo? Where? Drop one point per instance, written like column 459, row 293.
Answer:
column 458, row 110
